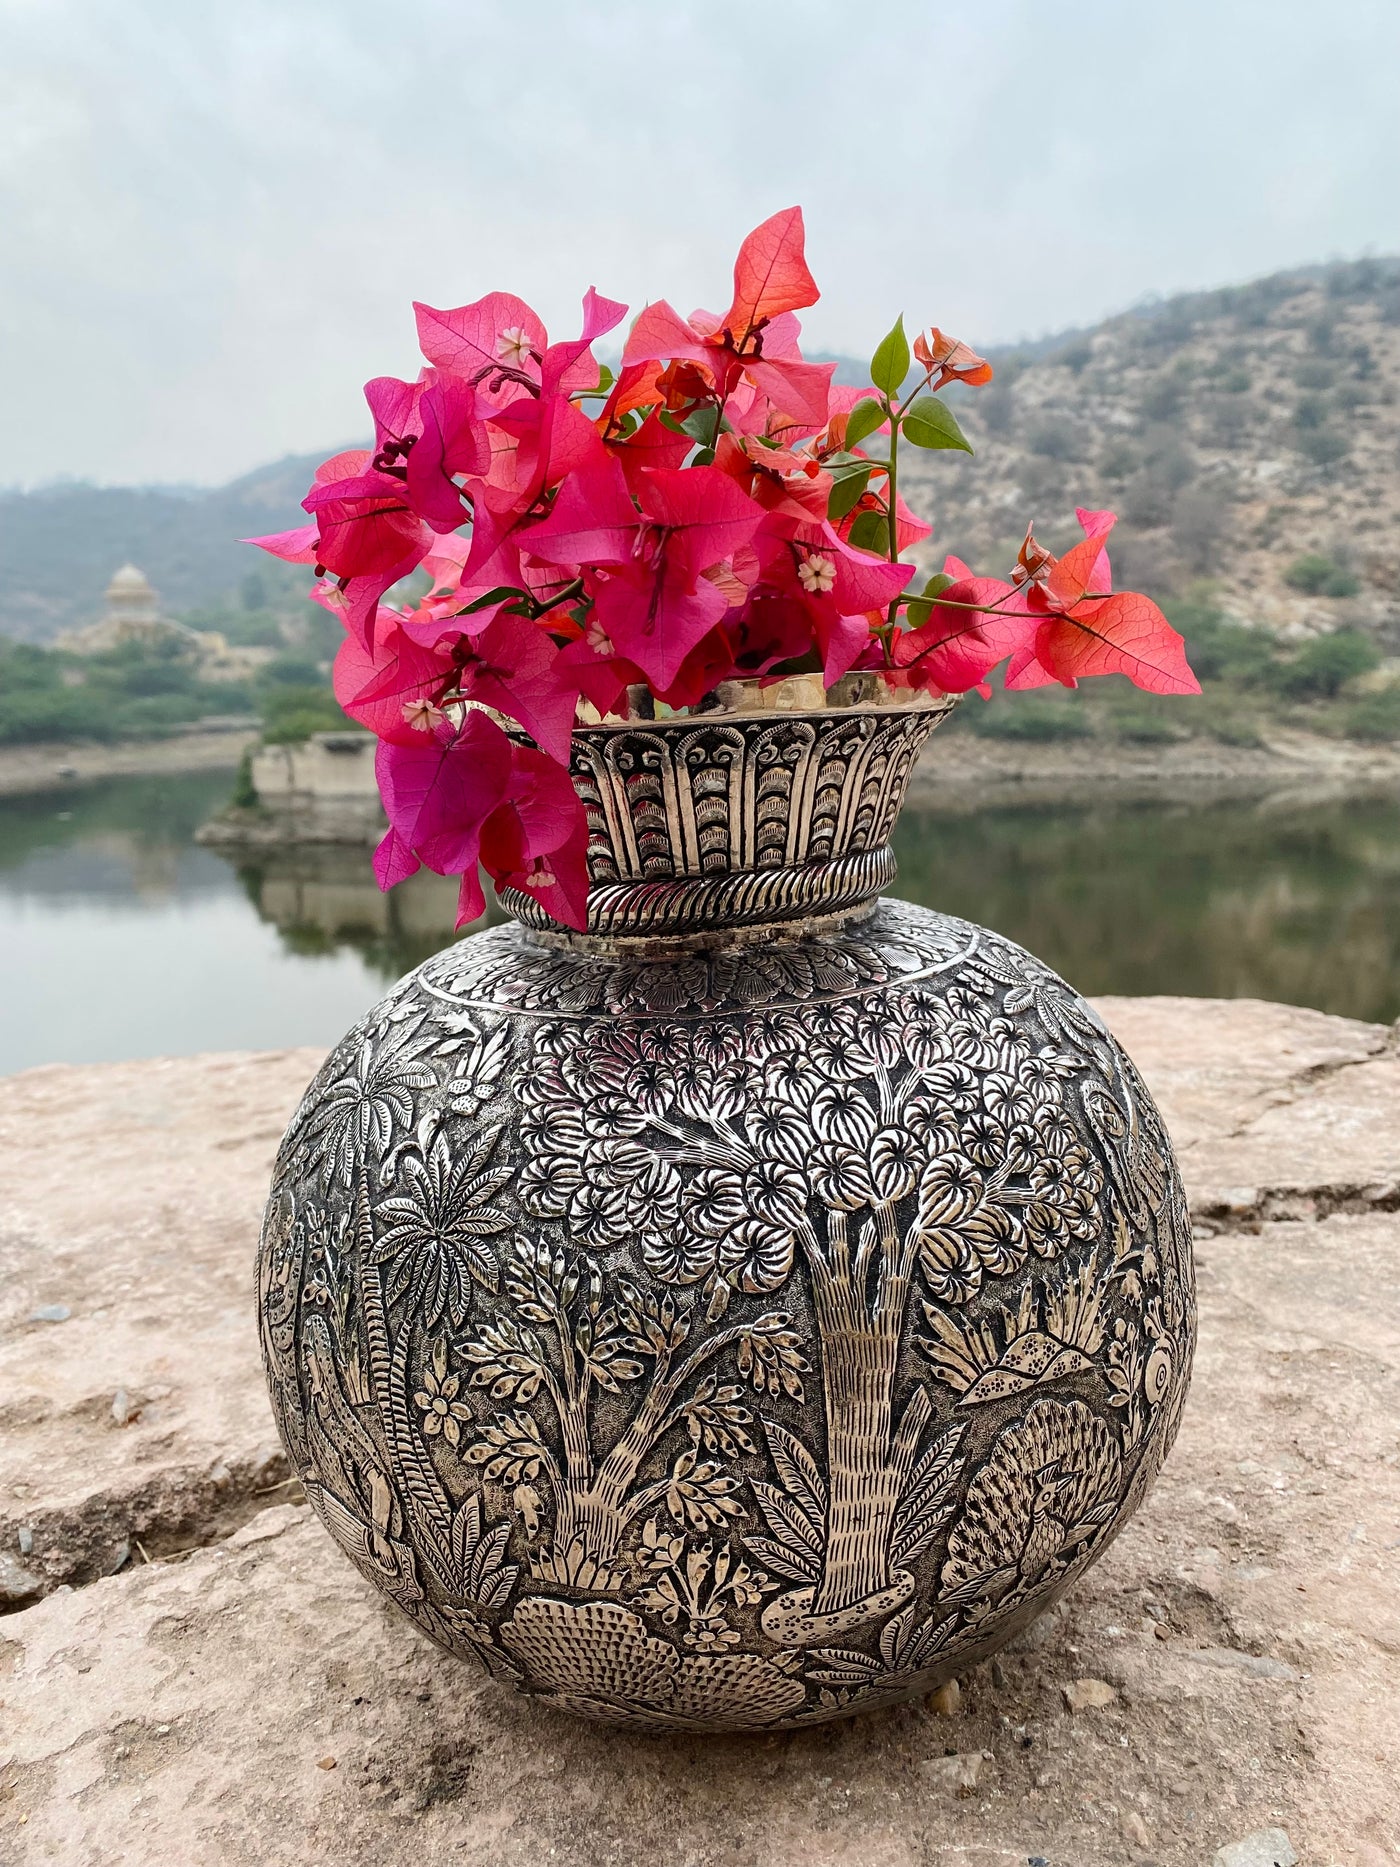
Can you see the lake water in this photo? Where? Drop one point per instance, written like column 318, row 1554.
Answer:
column 121, row 937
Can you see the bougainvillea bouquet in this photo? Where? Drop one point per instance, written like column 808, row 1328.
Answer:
column 613, row 546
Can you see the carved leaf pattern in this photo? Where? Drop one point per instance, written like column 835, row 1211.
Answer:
column 795, row 1511
column 928, row 1503
column 438, row 1228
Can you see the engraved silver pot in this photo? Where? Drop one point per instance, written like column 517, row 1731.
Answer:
column 757, row 1308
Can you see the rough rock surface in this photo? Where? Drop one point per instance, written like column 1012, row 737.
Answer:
column 133, row 1193
column 245, row 1697
column 1275, row 1111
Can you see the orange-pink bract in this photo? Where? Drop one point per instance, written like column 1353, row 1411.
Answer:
column 946, row 359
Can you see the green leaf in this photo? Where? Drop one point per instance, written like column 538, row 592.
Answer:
column 870, row 533
column 918, row 610
column 606, row 379
column 848, row 491
column 931, row 423
column 498, row 595
column 702, row 425
column 890, row 363
column 863, row 419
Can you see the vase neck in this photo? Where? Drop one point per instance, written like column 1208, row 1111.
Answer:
column 714, row 826
column 712, row 940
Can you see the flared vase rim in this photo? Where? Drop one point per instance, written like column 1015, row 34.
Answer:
column 920, row 701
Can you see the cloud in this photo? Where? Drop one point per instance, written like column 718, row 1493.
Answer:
column 215, row 218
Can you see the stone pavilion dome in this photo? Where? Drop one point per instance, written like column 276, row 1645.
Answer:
column 130, row 597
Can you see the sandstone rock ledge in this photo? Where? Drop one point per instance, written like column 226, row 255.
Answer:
column 191, row 1674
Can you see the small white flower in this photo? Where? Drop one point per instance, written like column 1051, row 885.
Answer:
column 598, row 638
column 513, row 346
column 422, row 715
column 817, row 574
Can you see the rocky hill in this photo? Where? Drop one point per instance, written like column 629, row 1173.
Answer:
column 1248, row 437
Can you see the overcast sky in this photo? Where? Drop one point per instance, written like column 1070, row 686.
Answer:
column 213, row 218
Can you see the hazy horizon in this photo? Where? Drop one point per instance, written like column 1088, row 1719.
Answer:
column 216, row 222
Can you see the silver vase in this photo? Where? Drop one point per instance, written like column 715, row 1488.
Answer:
column 759, row 1307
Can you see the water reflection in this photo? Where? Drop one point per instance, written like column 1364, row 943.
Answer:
column 122, row 937
column 1258, row 898
column 320, row 899
column 1261, row 898
column 126, row 843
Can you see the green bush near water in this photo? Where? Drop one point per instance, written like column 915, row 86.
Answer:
column 1248, row 679
column 1322, row 667
column 245, row 792
column 1147, row 722
column 133, row 693
column 1029, row 717
column 1229, row 717
column 1248, row 676
column 30, row 717
column 148, row 691
column 1221, row 651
